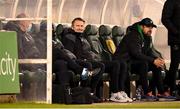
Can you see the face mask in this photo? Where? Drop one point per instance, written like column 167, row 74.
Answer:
column 29, row 28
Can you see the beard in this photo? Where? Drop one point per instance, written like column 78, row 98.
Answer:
column 149, row 33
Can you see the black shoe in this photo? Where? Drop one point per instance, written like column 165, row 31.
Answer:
column 166, row 98
column 149, row 98
column 96, row 99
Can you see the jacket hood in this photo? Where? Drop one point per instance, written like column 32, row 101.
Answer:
column 67, row 31
column 133, row 27
column 71, row 31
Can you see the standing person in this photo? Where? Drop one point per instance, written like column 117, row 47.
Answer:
column 170, row 19
column 133, row 51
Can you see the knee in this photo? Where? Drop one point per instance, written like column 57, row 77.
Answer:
column 60, row 64
column 144, row 64
column 116, row 65
column 102, row 67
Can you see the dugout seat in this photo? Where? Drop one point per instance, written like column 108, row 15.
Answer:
column 117, row 34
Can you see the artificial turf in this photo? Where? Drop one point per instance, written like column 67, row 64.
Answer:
column 172, row 104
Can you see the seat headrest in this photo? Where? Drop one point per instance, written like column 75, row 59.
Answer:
column 117, row 31
column 43, row 25
column 35, row 28
column 91, row 30
column 105, row 30
column 59, row 29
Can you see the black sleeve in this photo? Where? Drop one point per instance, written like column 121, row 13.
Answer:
column 69, row 42
column 20, row 46
column 59, row 54
column 153, row 52
column 167, row 13
column 135, row 48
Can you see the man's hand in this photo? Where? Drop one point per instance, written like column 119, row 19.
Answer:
column 159, row 62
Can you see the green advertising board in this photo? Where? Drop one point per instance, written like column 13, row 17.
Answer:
column 9, row 72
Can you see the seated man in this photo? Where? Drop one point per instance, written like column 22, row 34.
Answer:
column 26, row 45
column 134, row 51
column 157, row 80
column 72, row 41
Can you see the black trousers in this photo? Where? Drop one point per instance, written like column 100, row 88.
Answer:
column 123, row 75
column 113, row 68
column 175, row 59
column 95, row 79
column 63, row 77
column 141, row 68
column 157, row 80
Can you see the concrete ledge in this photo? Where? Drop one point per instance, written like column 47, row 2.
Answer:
column 8, row 98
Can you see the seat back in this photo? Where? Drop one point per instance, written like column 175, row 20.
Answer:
column 35, row 27
column 59, row 31
column 117, row 34
column 106, row 38
column 91, row 35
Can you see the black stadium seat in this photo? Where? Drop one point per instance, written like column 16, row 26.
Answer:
column 59, row 30
column 106, row 38
column 93, row 38
column 117, row 34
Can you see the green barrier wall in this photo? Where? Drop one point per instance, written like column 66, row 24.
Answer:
column 9, row 72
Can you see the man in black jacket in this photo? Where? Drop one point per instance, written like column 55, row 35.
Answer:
column 27, row 48
column 134, row 48
column 170, row 19
column 74, row 41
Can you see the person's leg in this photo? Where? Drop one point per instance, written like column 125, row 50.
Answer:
column 96, row 78
column 123, row 75
column 85, row 64
column 117, row 88
column 141, row 68
column 113, row 68
column 175, row 58
column 74, row 66
column 122, row 82
column 157, row 80
column 61, row 70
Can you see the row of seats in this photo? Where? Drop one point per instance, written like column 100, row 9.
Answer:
column 105, row 32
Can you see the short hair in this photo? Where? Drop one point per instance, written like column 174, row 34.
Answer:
column 77, row 18
column 21, row 15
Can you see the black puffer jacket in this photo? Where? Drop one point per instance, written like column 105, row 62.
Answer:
column 78, row 44
column 133, row 47
column 171, row 20
column 60, row 53
column 26, row 47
